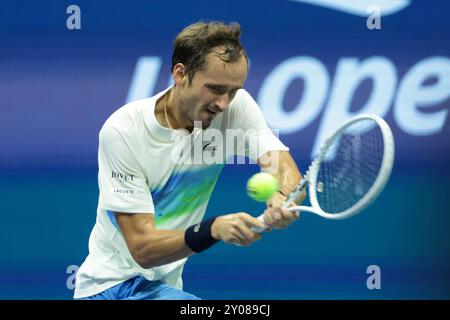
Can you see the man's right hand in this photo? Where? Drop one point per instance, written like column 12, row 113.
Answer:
column 236, row 228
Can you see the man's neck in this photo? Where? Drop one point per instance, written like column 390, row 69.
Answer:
column 176, row 111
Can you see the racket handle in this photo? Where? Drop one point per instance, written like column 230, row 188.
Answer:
column 294, row 194
column 291, row 198
column 258, row 229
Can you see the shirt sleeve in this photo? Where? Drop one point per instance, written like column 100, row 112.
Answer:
column 123, row 186
column 259, row 138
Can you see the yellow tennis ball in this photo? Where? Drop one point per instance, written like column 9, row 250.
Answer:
column 262, row 186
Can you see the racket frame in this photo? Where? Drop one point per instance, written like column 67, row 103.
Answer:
column 311, row 175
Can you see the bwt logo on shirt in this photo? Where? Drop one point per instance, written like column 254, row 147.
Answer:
column 122, row 176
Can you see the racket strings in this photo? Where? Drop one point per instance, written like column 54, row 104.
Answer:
column 350, row 167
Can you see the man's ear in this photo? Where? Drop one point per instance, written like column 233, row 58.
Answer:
column 179, row 75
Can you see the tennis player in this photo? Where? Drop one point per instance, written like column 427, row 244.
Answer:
column 151, row 208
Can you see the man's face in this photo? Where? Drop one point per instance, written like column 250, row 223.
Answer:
column 211, row 90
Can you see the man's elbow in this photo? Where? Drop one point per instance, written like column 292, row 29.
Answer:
column 143, row 262
column 141, row 256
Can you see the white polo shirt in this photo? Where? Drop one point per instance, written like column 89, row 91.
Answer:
column 147, row 168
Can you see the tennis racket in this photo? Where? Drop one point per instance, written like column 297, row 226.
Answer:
column 350, row 170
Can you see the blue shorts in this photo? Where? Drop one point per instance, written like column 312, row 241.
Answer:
column 139, row 288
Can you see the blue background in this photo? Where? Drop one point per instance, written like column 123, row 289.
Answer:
column 58, row 86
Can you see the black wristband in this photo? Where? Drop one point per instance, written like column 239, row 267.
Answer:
column 198, row 237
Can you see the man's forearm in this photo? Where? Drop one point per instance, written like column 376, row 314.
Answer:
column 152, row 247
column 161, row 247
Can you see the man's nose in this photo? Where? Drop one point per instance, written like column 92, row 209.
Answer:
column 222, row 102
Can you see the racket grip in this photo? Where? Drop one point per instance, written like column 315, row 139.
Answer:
column 258, row 229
